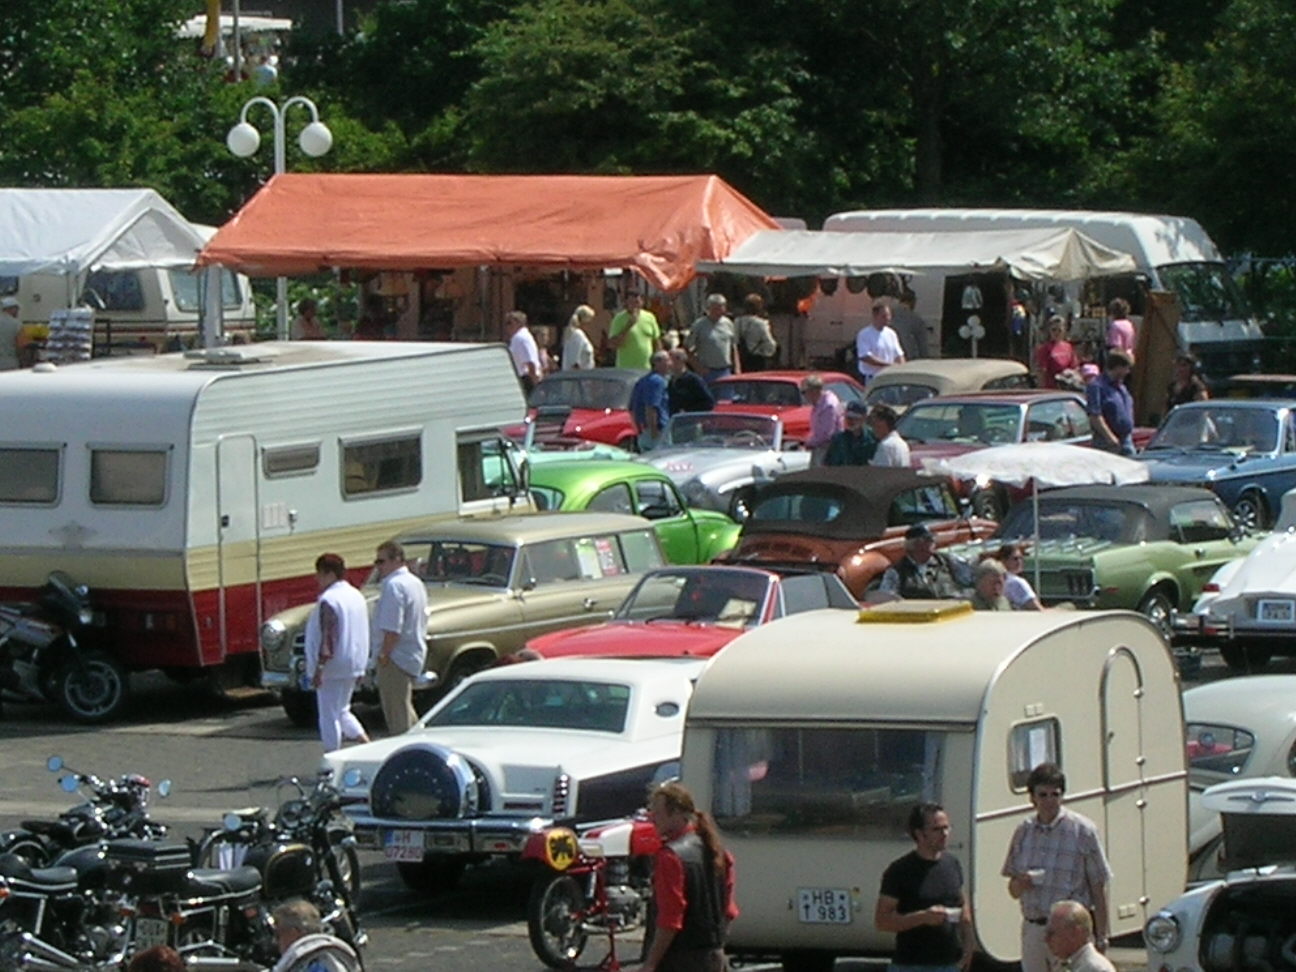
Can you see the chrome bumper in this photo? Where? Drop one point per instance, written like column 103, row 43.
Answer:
column 478, row 835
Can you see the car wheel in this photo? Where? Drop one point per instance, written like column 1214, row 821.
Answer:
column 300, row 708
column 986, row 503
column 431, row 875
column 1251, row 510
column 1157, row 607
column 93, row 688
column 556, row 920
column 1245, row 658
column 740, row 503
column 807, row 961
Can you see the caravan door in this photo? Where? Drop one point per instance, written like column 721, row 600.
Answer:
column 238, row 541
column 1125, row 802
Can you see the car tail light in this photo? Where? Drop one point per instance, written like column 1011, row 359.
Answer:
column 561, row 794
column 1210, row 587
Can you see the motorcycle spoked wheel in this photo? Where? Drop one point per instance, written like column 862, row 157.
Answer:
column 93, row 688
column 348, row 864
column 555, row 920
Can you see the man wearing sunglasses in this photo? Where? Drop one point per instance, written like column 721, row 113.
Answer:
column 400, row 634
column 1055, row 855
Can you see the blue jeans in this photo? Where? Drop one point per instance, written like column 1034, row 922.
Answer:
column 715, row 374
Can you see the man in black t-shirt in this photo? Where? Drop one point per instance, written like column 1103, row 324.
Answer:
column 922, row 899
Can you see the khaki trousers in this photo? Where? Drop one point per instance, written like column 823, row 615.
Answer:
column 396, row 692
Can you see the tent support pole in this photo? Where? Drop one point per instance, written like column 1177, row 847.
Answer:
column 1035, row 515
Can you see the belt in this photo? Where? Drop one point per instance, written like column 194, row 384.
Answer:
column 1037, row 921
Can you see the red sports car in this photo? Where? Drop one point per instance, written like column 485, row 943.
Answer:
column 696, row 611
column 571, row 407
column 779, row 393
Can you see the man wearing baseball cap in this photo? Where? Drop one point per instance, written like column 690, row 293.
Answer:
column 10, row 325
column 923, row 573
column 855, row 444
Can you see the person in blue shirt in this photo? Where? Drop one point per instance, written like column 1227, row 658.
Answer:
column 649, row 402
column 1111, row 406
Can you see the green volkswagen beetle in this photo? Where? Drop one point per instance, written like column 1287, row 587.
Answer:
column 687, row 535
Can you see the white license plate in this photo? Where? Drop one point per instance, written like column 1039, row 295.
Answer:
column 403, row 845
column 149, row 932
column 824, row 906
column 1273, row 611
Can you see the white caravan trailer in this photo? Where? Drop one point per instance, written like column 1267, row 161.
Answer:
column 193, row 492
column 811, row 739
column 1171, row 253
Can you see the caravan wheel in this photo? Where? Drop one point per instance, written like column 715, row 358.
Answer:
column 93, row 688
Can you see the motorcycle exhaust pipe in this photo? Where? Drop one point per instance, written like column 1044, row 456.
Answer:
column 40, row 956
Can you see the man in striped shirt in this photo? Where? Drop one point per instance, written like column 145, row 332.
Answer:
column 1055, row 855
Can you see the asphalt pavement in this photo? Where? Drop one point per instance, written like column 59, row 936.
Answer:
column 221, row 754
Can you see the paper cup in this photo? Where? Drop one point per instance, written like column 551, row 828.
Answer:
column 953, row 914
column 1036, row 874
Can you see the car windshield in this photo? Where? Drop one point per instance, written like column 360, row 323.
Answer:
column 1206, row 292
column 1066, row 520
column 1216, row 752
column 782, row 394
column 536, row 703
column 967, row 422
column 898, row 395
column 722, row 430
column 583, row 392
column 1217, row 428
column 729, row 598
column 458, row 562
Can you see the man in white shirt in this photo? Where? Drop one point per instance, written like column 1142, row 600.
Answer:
column 337, row 651
column 877, row 344
column 891, row 449
column 524, row 350
column 400, row 635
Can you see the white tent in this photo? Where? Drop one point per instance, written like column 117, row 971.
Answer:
column 70, row 231
column 1029, row 254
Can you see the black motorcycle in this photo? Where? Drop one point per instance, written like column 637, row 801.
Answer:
column 45, row 655
column 114, row 808
column 305, row 850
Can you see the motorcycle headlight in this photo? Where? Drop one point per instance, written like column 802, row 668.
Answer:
column 1162, row 933
column 85, row 617
column 273, row 636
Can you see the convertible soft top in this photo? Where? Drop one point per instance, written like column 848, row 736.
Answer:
column 842, row 502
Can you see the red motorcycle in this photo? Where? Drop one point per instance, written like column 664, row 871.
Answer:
column 596, row 881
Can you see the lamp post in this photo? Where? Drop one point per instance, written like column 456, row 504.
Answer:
column 315, row 140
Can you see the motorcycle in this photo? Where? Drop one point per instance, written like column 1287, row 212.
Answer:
column 113, row 808
column 43, row 659
column 305, row 850
column 596, row 881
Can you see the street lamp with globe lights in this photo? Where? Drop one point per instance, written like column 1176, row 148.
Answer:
column 315, row 140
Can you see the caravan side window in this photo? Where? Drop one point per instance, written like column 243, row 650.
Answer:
column 29, row 475
column 290, row 460
column 851, row 782
column 128, row 477
column 484, row 468
column 381, row 465
column 1030, row 744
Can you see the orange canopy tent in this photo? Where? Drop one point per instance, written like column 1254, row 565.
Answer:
column 659, row 225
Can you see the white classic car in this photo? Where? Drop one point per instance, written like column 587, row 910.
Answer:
column 514, row 750
column 1248, row 608
column 1235, row 727
column 717, row 459
column 1244, row 921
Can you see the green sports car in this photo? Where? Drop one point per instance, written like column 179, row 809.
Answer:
column 687, row 535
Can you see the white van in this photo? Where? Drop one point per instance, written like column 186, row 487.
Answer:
column 193, row 492
column 810, row 740
column 1172, row 253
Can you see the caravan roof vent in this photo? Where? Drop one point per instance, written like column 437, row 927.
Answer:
column 914, row 612
column 225, row 358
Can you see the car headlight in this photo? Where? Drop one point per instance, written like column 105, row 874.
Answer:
column 274, row 635
column 1162, row 933
column 695, row 492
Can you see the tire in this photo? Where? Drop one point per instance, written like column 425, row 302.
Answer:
column 1157, row 606
column 93, row 689
column 431, row 875
column 555, row 912
column 1245, row 658
column 740, row 503
column 463, row 668
column 1234, row 657
column 300, row 708
column 807, row 961
column 348, row 863
column 987, row 503
column 1251, row 510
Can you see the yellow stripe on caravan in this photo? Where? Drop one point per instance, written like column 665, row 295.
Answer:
column 106, row 569
column 294, row 555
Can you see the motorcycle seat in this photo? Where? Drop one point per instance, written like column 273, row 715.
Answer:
column 51, row 828
column 213, row 881
column 17, row 872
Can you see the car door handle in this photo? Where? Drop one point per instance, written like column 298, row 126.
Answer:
column 589, row 603
column 1199, row 553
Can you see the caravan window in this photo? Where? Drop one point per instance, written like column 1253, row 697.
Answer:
column 1030, row 744
column 485, row 469
column 186, row 288
column 381, row 465
column 854, row 782
column 292, row 460
column 114, row 290
column 29, row 475
column 128, row 477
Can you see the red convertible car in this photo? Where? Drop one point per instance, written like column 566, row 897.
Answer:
column 696, row 611
column 779, row 393
column 568, row 408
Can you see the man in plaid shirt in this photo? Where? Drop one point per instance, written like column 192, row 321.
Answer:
column 1056, row 855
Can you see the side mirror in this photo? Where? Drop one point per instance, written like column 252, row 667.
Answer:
column 232, row 822
column 54, row 764
column 68, row 783
column 164, row 788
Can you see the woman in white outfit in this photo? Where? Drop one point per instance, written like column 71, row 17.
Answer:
column 577, row 350
column 1016, row 588
column 337, row 651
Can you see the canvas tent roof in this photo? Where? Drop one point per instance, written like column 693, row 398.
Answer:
column 1053, row 254
column 69, row 231
column 660, row 225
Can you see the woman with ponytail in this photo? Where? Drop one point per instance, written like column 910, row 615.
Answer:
column 693, row 882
